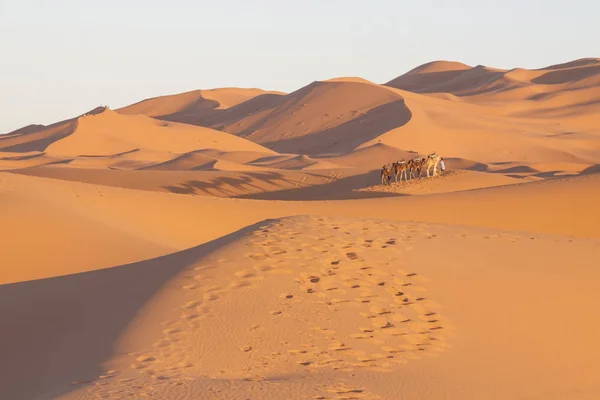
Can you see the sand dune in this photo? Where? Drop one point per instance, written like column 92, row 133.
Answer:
column 514, row 207
column 343, row 318
column 354, row 79
column 191, row 106
column 482, row 133
column 463, row 80
column 192, row 163
column 215, row 178
column 372, row 156
column 187, row 161
column 111, row 133
column 488, row 207
column 453, row 181
column 37, row 139
column 70, row 242
column 302, row 162
column 26, row 129
column 105, row 139
column 324, row 117
column 237, row 243
column 10, row 160
column 561, row 99
column 480, row 113
column 328, row 317
column 198, row 160
column 335, row 115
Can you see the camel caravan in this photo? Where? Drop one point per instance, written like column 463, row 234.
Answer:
column 412, row 168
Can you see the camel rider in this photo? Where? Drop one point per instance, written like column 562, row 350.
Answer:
column 442, row 165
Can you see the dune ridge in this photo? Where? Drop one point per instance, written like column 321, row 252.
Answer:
column 431, row 108
column 463, row 80
column 111, row 133
column 340, row 115
column 194, row 104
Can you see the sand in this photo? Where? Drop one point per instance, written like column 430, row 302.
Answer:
column 192, row 106
column 237, row 243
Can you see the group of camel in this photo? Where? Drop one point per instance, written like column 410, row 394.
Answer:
column 411, row 168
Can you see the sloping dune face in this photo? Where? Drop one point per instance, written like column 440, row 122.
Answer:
column 491, row 115
column 192, row 107
column 430, row 74
column 492, row 133
column 462, row 80
column 566, row 93
column 372, row 156
column 69, row 240
column 36, row 138
column 111, row 133
column 333, row 116
column 454, row 78
column 479, row 113
column 346, row 300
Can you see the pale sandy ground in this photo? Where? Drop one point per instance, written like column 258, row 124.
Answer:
column 158, row 256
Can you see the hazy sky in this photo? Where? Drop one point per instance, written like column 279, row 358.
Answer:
column 61, row 58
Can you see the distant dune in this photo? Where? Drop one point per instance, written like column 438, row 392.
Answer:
column 194, row 106
column 373, row 156
column 302, row 162
column 36, row 139
column 112, row 133
column 463, row 80
column 433, row 73
column 323, row 117
column 462, row 111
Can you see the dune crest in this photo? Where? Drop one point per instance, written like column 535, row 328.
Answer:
column 210, row 99
column 110, row 133
column 330, row 116
column 465, row 81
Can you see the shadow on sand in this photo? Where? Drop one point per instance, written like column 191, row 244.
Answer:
column 221, row 186
column 347, row 136
column 340, row 189
column 59, row 330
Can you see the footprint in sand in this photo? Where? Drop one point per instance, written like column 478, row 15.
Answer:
column 324, row 291
column 145, row 359
column 244, row 274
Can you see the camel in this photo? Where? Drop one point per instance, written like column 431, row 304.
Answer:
column 417, row 166
column 401, row 168
column 386, row 173
column 411, row 168
column 433, row 160
column 410, row 165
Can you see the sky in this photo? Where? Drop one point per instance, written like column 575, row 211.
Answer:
column 61, row 58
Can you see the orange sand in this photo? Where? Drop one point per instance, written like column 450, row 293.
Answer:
column 237, row 243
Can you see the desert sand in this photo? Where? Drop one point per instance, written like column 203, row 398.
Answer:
column 238, row 243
